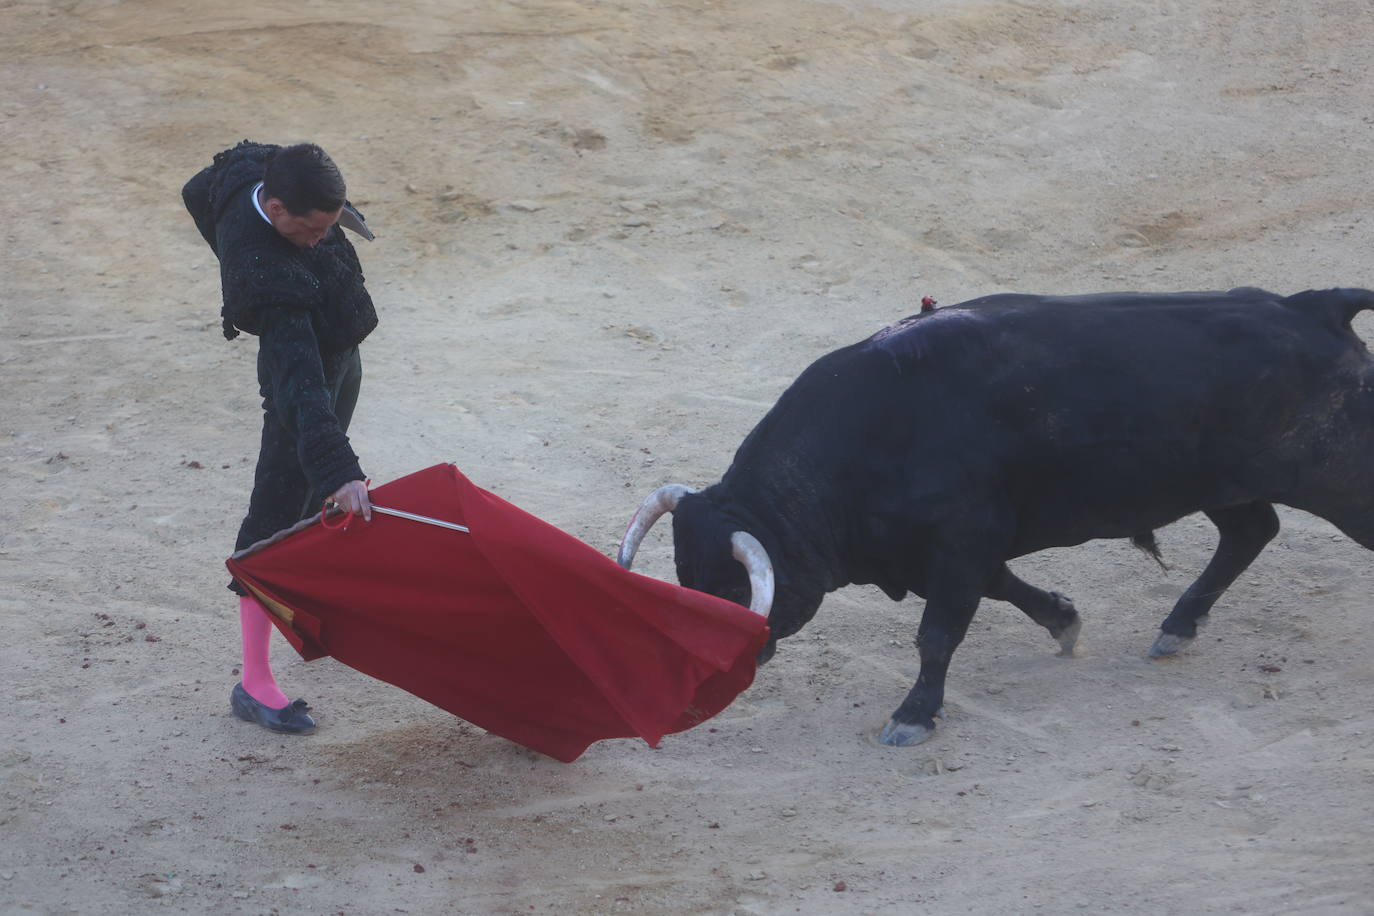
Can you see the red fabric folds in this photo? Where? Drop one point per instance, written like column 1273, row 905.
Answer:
column 515, row 626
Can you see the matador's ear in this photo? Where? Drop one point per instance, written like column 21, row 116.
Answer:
column 350, row 218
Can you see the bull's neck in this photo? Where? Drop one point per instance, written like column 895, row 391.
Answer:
column 803, row 535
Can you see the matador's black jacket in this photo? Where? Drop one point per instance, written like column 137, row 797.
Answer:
column 308, row 307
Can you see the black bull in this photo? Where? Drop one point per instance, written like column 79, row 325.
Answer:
column 925, row 457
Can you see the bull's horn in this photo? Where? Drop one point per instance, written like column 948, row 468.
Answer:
column 750, row 552
column 661, row 501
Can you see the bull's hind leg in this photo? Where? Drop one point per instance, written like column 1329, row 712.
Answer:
column 1053, row 611
column 1244, row 530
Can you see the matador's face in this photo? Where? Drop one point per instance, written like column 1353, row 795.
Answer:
column 302, row 231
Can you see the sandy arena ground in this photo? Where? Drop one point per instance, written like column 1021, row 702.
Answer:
column 609, row 235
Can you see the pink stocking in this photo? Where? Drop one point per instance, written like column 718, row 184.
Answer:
column 257, row 667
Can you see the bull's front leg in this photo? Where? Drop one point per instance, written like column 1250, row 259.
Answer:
column 949, row 611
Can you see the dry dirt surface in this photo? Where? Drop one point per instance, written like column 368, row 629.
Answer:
column 609, row 235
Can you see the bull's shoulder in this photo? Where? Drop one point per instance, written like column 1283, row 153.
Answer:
column 948, row 333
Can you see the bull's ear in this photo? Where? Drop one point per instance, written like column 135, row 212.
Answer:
column 658, row 504
column 747, row 549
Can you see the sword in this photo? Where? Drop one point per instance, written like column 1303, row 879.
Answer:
column 331, row 509
column 420, row 518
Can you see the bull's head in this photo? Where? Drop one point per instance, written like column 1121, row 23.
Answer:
column 710, row 551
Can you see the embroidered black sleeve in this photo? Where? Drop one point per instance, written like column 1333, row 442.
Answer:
column 294, row 381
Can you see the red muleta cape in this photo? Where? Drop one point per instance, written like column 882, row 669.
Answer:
column 514, row 626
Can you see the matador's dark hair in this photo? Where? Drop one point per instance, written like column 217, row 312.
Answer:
column 304, row 178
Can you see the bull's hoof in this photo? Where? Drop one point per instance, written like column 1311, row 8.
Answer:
column 1172, row 643
column 1068, row 638
column 897, row 734
column 1169, row 644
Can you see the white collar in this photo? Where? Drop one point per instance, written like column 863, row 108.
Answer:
column 257, row 206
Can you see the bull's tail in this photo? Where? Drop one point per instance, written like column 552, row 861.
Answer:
column 1338, row 307
column 1146, row 542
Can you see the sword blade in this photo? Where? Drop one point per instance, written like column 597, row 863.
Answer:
column 420, row 518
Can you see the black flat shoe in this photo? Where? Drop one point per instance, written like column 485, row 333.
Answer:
column 291, row 719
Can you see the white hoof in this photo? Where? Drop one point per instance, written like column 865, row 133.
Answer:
column 1068, row 640
column 1168, row 644
column 895, row 734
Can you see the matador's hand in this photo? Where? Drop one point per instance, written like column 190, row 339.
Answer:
column 352, row 497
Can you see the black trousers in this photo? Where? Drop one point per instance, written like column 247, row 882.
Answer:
column 282, row 495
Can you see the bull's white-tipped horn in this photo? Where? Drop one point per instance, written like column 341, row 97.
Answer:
column 659, row 503
column 747, row 549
